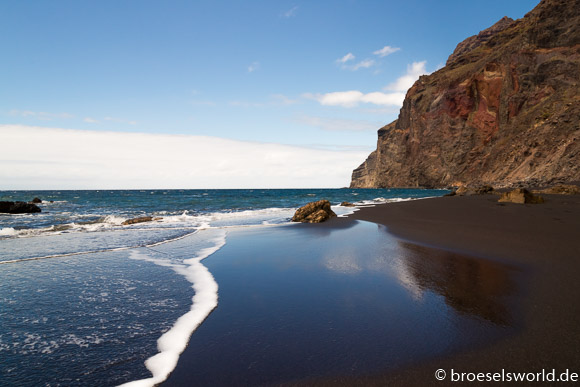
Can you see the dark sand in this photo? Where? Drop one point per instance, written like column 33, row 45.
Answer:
column 501, row 281
column 543, row 239
column 303, row 302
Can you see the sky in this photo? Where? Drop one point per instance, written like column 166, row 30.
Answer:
column 213, row 94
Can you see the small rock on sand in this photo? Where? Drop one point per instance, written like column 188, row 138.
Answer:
column 314, row 212
column 520, row 196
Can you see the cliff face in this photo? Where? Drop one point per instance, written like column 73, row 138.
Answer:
column 505, row 110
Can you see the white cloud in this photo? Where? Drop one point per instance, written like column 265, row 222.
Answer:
column 365, row 64
column 353, row 98
column 384, row 99
column 340, row 124
column 394, row 97
column 346, row 58
column 290, row 13
column 52, row 158
column 414, row 71
column 39, row 115
column 253, row 67
column 387, row 50
column 90, row 120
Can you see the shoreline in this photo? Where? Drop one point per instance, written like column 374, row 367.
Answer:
column 541, row 239
column 342, row 299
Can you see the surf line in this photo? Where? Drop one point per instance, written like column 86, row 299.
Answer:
column 173, row 342
column 99, row 251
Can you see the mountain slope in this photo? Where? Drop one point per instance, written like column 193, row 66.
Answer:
column 505, row 110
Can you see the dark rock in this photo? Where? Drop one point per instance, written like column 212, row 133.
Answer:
column 475, row 41
column 347, row 204
column 36, row 201
column 18, row 208
column 452, row 193
column 314, row 212
column 520, row 196
column 141, row 219
column 484, row 189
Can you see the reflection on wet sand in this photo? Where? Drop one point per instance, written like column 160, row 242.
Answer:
column 300, row 302
column 470, row 285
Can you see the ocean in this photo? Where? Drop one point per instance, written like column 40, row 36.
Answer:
column 86, row 300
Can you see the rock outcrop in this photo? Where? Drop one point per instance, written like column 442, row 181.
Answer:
column 18, row 208
column 141, row 219
column 561, row 189
column 475, row 41
column 520, row 196
column 504, row 111
column 314, row 212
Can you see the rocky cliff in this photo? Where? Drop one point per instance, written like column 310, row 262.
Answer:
column 505, row 110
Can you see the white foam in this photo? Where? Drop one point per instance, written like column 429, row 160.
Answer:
column 115, row 220
column 184, row 220
column 343, row 212
column 381, row 200
column 95, row 251
column 8, row 231
column 173, row 342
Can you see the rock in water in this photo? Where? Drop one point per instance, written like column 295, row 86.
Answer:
column 141, row 219
column 36, row 201
column 18, row 208
column 520, row 196
column 347, row 204
column 314, row 212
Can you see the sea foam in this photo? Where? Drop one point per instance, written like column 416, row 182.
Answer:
column 173, row 342
column 8, row 231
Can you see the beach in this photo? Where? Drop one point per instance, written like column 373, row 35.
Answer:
column 541, row 240
column 509, row 268
column 385, row 294
column 343, row 298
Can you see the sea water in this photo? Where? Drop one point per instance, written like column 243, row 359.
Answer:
column 86, row 300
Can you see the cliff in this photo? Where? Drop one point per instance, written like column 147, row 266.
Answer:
column 505, row 110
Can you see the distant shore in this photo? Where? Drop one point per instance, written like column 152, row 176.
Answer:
column 542, row 239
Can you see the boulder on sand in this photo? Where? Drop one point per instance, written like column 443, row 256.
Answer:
column 314, row 212
column 18, row 208
column 520, row 196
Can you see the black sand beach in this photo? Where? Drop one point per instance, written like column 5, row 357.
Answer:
column 509, row 271
column 543, row 240
column 485, row 287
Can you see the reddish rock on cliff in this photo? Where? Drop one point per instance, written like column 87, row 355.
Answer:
column 505, row 110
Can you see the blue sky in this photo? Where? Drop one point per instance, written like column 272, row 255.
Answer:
column 316, row 75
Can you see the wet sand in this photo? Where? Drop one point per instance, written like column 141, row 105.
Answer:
column 544, row 240
column 301, row 303
column 462, row 283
